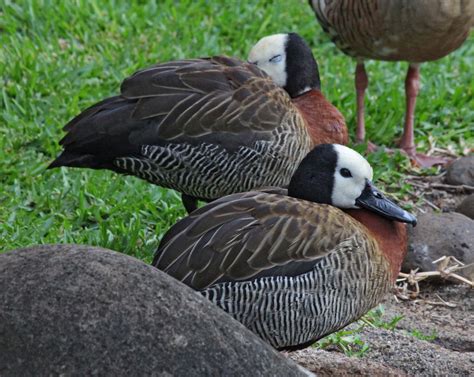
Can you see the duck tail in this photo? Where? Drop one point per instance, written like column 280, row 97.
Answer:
column 77, row 160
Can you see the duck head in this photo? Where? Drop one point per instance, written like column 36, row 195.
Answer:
column 289, row 61
column 337, row 175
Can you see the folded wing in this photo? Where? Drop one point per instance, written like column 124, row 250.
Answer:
column 249, row 235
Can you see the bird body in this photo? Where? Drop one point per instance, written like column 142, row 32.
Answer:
column 299, row 309
column 415, row 31
column 408, row 30
column 287, row 265
column 208, row 127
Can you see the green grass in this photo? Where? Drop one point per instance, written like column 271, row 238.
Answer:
column 420, row 335
column 58, row 57
column 350, row 340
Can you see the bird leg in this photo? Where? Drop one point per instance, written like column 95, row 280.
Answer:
column 412, row 87
column 361, row 83
column 407, row 142
column 190, row 203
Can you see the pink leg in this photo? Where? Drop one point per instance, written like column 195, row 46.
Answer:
column 407, row 142
column 361, row 83
column 412, row 87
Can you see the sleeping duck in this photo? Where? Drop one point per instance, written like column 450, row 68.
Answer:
column 210, row 127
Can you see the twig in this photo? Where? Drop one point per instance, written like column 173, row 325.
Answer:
column 426, row 177
column 446, row 258
column 431, row 204
column 444, row 271
column 446, row 187
column 451, row 305
column 444, row 151
column 442, row 303
column 420, row 185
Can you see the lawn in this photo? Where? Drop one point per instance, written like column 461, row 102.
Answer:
column 59, row 57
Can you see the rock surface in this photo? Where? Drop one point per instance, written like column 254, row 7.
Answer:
column 461, row 171
column 78, row 310
column 467, row 207
column 438, row 235
column 442, row 315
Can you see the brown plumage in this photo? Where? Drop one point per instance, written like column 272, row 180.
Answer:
column 325, row 123
column 286, row 265
column 415, row 31
column 246, row 235
column 205, row 127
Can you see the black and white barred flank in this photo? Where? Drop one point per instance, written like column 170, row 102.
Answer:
column 287, row 311
column 209, row 171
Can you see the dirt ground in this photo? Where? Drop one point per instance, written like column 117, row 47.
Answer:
column 433, row 194
column 435, row 337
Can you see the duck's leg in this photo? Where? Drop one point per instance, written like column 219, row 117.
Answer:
column 407, row 142
column 412, row 87
column 190, row 203
column 361, row 84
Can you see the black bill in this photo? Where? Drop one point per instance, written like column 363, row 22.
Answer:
column 373, row 200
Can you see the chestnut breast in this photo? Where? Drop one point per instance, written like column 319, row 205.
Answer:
column 324, row 121
column 391, row 236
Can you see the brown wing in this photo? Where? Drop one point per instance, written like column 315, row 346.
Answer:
column 217, row 100
column 193, row 98
column 244, row 235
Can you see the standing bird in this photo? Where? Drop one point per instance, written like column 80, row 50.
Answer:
column 290, row 265
column 213, row 126
column 415, row 31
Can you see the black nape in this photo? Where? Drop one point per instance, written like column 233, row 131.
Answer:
column 314, row 178
column 301, row 67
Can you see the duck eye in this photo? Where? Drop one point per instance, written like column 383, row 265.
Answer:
column 276, row 59
column 346, row 173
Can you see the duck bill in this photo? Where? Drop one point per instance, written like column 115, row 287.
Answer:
column 373, row 200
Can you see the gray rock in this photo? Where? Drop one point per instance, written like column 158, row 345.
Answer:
column 466, row 207
column 461, row 171
column 437, row 235
column 77, row 310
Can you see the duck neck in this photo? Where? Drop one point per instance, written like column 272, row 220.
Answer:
column 324, row 122
column 391, row 236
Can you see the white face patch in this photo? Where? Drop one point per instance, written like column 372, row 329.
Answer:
column 269, row 55
column 348, row 187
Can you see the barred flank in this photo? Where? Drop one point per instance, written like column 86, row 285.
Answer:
column 209, row 171
column 287, row 311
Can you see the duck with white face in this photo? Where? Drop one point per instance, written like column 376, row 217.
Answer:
column 289, row 61
column 294, row 265
column 210, row 127
column 337, row 175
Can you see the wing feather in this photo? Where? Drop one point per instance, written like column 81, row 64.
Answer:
column 246, row 235
column 217, row 100
column 207, row 95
